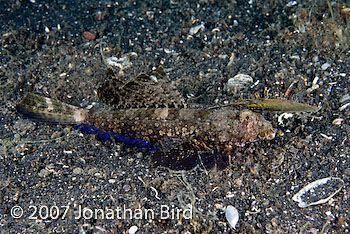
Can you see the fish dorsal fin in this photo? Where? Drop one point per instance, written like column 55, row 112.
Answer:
column 144, row 91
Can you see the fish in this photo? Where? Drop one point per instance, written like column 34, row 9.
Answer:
column 148, row 113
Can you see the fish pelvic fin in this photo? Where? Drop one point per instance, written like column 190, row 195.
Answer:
column 34, row 106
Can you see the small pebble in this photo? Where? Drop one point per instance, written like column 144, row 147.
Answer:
column 218, row 206
column 296, row 57
column 92, row 171
column 126, row 188
column 89, row 36
column 222, row 56
column 329, row 213
column 56, row 134
column 325, row 66
column 43, row 173
column 77, row 171
column 111, row 181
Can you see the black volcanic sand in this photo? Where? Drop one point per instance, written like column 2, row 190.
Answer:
column 47, row 167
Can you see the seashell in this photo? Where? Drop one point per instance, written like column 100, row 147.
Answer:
column 133, row 229
column 338, row 121
column 318, row 192
column 232, row 216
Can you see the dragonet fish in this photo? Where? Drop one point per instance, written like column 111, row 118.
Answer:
column 151, row 115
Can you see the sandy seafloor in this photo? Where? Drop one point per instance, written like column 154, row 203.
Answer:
column 48, row 167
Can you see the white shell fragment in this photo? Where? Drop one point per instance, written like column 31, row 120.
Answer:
column 133, row 230
column 284, row 116
column 122, row 62
column 314, row 85
column 240, row 79
column 338, row 121
column 196, row 29
column 238, row 82
column 291, row 3
column 232, row 216
column 345, row 98
column 318, row 192
column 343, row 107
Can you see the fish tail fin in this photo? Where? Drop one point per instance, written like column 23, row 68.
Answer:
column 50, row 110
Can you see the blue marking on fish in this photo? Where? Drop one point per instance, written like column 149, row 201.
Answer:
column 108, row 136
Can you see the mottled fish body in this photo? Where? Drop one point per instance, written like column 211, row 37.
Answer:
column 180, row 137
